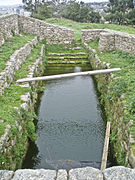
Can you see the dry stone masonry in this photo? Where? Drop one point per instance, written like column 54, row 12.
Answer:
column 12, row 24
column 8, row 26
column 14, row 63
column 110, row 40
column 28, row 101
column 53, row 34
column 89, row 35
column 88, row 173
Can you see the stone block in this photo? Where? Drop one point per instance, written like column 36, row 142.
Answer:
column 87, row 173
column 6, row 175
column 62, row 175
column 119, row 173
column 39, row 174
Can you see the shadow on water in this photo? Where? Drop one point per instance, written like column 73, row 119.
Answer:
column 70, row 127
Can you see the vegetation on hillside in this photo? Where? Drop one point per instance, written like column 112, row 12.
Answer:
column 117, row 11
column 120, row 12
column 77, row 11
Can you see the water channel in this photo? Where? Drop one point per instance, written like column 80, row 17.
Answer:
column 70, row 127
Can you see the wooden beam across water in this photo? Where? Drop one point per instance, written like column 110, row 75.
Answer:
column 95, row 72
column 106, row 145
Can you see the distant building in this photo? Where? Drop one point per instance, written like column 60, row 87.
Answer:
column 14, row 10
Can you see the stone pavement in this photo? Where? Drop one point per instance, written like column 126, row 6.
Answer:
column 88, row 173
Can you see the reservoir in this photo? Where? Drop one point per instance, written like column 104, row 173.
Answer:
column 70, row 127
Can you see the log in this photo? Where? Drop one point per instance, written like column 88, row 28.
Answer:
column 104, row 71
column 106, row 145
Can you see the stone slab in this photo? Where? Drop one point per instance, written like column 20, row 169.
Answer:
column 119, row 173
column 62, row 175
column 6, row 175
column 87, row 173
column 39, row 174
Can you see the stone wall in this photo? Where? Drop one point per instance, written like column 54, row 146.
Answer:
column 106, row 41
column 14, row 63
column 89, row 35
column 12, row 24
column 87, row 173
column 114, row 111
column 8, row 27
column 53, row 34
column 110, row 40
column 8, row 140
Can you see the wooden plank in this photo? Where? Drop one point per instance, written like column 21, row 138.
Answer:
column 106, row 145
column 104, row 71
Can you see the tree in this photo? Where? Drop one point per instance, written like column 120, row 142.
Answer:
column 31, row 5
column 77, row 11
column 80, row 12
column 131, row 17
column 117, row 10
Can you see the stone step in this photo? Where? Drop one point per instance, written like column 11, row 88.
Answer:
column 75, row 48
column 67, row 54
column 68, row 62
column 66, row 58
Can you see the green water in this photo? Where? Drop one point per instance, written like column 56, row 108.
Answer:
column 70, row 127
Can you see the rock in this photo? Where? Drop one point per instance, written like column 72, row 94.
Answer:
column 6, row 175
column 39, row 174
column 62, row 175
column 24, row 106
column 26, row 97
column 119, row 173
column 87, row 173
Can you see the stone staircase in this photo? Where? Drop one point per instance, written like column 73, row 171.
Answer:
column 66, row 61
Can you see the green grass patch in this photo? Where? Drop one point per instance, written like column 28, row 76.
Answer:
column 124, row 81
column 63, row 49
column 10, row 45
column 118, row 96
column 23, row 72
column 11, row 97
column 11, row 113
column 77, row 27
column 94, row 44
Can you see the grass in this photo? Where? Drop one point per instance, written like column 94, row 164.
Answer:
column 10, row 45
column 11, row 113
column 11, row 97
column 63, row 49
column 77, row 27
column 94, row 44
column 125, row 80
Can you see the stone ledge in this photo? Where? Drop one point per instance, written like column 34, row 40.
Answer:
column 88, row 173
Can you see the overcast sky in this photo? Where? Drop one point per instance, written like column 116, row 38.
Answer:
column 12, row 2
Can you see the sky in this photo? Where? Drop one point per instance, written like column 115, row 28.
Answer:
column 12, row 2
